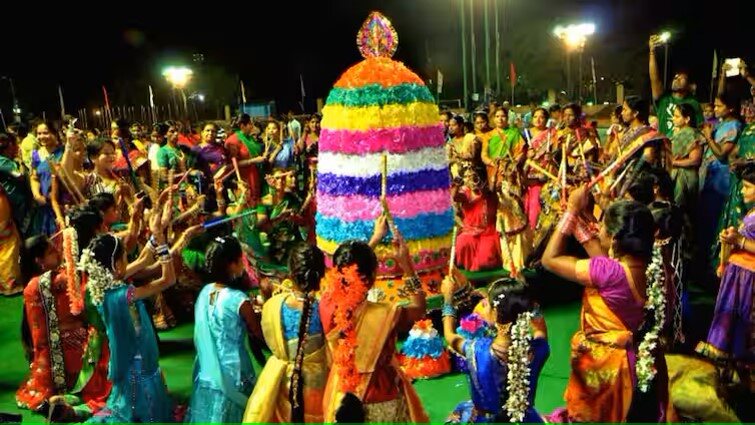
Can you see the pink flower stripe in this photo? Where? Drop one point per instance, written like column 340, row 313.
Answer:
column 394, row 140
column 407, row 205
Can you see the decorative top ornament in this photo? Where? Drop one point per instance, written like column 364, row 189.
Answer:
column 377, row 37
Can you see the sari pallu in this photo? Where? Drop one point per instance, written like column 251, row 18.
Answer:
column 269, row 401
column 375, row 328
column 686, row 180
column 603, row 379
column 541, row 145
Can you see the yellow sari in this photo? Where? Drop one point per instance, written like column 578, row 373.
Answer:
column 269, row 401
column 375, row 326
column 10, row 245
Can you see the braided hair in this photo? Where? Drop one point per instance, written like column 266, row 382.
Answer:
column 510, row 298
column 307, row 266
column 222, row 252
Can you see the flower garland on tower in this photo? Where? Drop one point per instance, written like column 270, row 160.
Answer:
column 656, row 301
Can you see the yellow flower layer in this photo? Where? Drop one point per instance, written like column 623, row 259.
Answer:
column 417, row 114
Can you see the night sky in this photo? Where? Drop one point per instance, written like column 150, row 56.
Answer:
column 268, row 46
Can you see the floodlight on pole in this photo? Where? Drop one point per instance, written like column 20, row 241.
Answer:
column 178, row 76
column 574, row 37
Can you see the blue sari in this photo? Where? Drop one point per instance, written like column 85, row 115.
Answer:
column 43, row 218
column 488, row 379
column 716, row 183
column 223, row 373
column 139, row 393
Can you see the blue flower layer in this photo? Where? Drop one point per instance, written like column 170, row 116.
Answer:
column 398, row 183
column 423, row 347
column 422, row 226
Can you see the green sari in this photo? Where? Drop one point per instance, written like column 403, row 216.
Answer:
column 503, row 143
column 734, row 208
column 686, row 186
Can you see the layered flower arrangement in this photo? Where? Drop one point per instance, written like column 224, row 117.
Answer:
column 380, row 112
column 423, row 355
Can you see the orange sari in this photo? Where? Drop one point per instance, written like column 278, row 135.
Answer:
column 376, row 323
column 603, row 354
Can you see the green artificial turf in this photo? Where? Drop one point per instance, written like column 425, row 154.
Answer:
column 439, row 395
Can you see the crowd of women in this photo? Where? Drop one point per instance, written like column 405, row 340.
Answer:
column 111, row 237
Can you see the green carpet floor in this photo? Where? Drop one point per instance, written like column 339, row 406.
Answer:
column 177, row 355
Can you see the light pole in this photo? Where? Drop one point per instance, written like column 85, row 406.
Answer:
column 464, row 54
column 179, row 77
column 574, row 38
column 16, row 108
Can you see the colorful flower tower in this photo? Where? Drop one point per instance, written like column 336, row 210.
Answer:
column 382, row 150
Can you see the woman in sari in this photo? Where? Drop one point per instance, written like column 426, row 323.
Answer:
column 460, row 148
column 477, row 243
column 291, row 386
column 64, row 192
column 60, row 379
column 42, row 173
column 715, row 176
column 541, row 141
column 736, row 207
column 731, row 334
column 244, row 147
column 361, row 334
column 686, row 147
column 138, row 393
column 504, row 149
column 11, row 216
column 503, row 370
column 604, row 375
column 223, row 373
column 211, row 154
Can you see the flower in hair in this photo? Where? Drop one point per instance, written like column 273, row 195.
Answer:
column 656, row 302
column 73, row 279
column 99, row 279
column 518, row 378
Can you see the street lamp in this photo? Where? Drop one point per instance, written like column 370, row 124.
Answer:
column 179, row 77
column 574, row 37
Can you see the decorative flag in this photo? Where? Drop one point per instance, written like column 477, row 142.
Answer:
column 243, row 92
column 107, row 101
column 62, row 104
column 440, row 82
column 512, row 72
column 301, row 81
column 715, row 63
column 151, row 98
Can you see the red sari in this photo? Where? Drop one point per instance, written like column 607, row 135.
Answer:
column 59, row 341
column 478, row 244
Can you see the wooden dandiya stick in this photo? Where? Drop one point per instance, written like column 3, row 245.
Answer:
column 452, row 261
column 384, row 197
column 207, row 225
column 236, row 168
column 58, row 173
column 504, row 241
column 621, row 176
column 564, row 165
column 536, row 167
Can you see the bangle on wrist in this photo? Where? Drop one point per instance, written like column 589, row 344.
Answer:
column 567, row 223
column 742, row 243
column 583, row 232
column 448, row 310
